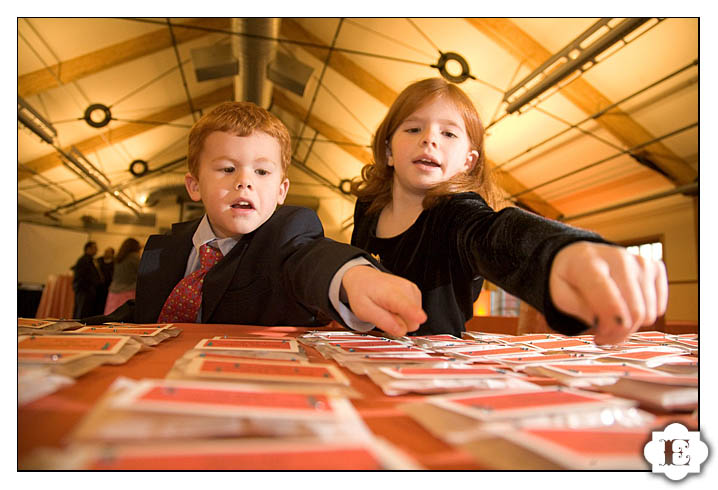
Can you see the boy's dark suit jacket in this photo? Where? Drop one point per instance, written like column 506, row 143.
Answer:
column 277, row 275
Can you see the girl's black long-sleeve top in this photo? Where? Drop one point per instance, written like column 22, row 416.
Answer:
column 450, row 248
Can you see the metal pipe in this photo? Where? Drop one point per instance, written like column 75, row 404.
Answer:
column 254, row 54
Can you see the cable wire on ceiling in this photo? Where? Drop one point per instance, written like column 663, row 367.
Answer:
column 288, row 41
column 181, row 70
column 428, row 39
column 316, row 92
column 604, row 160
column 388, row 38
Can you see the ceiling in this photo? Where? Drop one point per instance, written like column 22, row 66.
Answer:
column 558, row 157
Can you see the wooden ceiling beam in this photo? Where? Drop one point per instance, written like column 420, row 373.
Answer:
column 621, row 125
column 102, row 59
column 119, row 133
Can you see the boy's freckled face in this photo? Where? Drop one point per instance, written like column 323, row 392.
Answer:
column 240, row 181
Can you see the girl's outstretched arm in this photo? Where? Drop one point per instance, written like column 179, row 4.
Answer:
column 607, row 287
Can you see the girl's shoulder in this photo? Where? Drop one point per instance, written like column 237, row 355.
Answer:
column 463, row 200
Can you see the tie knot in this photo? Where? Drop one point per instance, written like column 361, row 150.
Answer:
column 208, row 256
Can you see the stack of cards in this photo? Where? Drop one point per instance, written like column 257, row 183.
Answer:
column 48, row 362
column 295, row 454
column 397, row 380
column 74, row 355
column 35, row 326
column 590, row 373
column 258, row 347
column 148, row 334
column 258, row 360
column 358, row 353
column 581, row 449
column 193, row 423
column 665, row 392
column 490, row 425
column 179, row 409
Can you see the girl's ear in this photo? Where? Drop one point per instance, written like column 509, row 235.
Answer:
column 389, row 160
column 471, row 160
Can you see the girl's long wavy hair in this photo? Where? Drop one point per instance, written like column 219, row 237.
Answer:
column 375, row 183
column 128, row 246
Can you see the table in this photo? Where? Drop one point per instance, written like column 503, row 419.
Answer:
column 48, row 421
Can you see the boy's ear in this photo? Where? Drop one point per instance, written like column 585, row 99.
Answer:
column 192, row 185
column 283, row 189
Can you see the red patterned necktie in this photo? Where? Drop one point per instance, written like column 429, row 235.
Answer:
column 183, row 303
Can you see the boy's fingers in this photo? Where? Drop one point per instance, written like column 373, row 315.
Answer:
column 385, row 320
column 408, row 309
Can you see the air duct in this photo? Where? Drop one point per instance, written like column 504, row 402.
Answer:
column 254, row 50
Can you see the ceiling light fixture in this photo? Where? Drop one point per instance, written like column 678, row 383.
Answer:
column 93, row 110
column 578, row 56
column 138, row 168
column 453, row 58
column 33, row 121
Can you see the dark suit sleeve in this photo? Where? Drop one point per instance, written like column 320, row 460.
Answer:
column 515, row 250
column 310, row 260
column 124, row 313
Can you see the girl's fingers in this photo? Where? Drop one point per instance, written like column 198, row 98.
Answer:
column 608, row 288
column 611, row 318
column 661, row 288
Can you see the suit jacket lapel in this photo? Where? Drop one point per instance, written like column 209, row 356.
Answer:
column 220, row 277
column 163, row 264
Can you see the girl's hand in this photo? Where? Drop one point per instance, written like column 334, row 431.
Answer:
column 608, row 288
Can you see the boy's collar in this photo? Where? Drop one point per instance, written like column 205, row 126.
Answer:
column 204, row 234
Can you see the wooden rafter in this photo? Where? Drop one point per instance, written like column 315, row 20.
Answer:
column 523, row 47
column 121, row 132
column 102, row 59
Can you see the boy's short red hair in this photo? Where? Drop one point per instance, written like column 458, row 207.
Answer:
column 240, row 119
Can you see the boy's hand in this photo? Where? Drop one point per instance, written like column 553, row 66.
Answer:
column 607, row 287
column 390, row 302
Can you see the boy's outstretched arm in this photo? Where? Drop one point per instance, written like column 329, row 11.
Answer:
column 390, row 302
column 608, row 288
